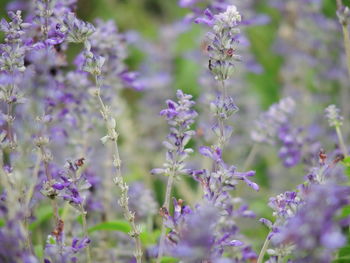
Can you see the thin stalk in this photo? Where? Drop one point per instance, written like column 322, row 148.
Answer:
column 263, row 249
column 341, row 140
column 10, row 118
column 49, row 178
column 29, row 197
column 220, row 120
column 34, row 179
column 166, row 206
column 346, row 37
column 9, row 122
column 83, row 216
column 124, row 203
column 251, row 156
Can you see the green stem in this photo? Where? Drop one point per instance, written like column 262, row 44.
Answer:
column 49, row 178
column 263, row 249
column 341, row 140
column 83, row 216
column 346, row 37
column 119, row 181
column 166, row 206
column 251, row 156
column 220, row 120
column 34, row 181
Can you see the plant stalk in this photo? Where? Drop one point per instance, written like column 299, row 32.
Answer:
column 263, row 249
column 166, row 206
column 83, row 216
column 119, row 181
column 341, row 140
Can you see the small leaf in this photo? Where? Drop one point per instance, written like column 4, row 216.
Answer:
column 346, row 161
column 344, row 252
column 345, row 211
column 80, row 219
column 43, row 213
column 39, row 251
column 121, row 226
column 168, row 260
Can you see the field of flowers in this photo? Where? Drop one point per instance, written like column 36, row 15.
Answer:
column 164, row 131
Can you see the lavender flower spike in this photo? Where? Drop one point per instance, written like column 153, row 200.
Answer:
column 336, row 120
column 180, row 116
column 222, row 41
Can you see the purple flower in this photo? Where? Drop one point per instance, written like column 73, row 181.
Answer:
column 141, row 200
column 222, row 41
column 274, row 126
column 319, row 233
column 70, row 186
column 77, row 30
column 292, row 142
column 180, row 117
column 63, row 253
column 13, row 243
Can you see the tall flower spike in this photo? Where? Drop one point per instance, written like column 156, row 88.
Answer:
column 333, row 116
column 77, row 30
column 222, row 41
column 336, row 120
column 274, row 127
column 180, row 116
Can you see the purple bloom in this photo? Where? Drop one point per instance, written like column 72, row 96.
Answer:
column 141, row 200
column 319, row 233
column 274, row 126
column 63, row 253
column 180, row 117
column 291, row 141
column 13, row 247
column 222, row 41
column 70, row 187
column 77, row 30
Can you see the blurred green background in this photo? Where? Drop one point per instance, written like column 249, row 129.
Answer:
column 146, row 16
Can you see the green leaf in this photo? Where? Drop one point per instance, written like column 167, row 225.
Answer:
column 121, row 226
column 345, row 211
column 168, row 260
column 2, row 222
column 80, row 219
column 39, row 251
column 346, row 161
column 147, row 238
column 43, row 213
column 342, row 260
column 344, row 252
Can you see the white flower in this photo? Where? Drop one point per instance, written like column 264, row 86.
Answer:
column 228, row 19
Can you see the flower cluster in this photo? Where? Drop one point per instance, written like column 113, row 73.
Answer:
column 72, row 185
column 316, row 218
column 180, row 117
column 333, row 116
column 222, row 41
column 274, row 126
column 319, row 232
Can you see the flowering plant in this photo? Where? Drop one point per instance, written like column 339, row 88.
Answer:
column 249, row 170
